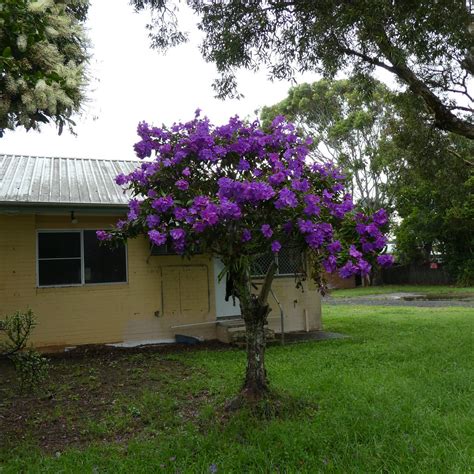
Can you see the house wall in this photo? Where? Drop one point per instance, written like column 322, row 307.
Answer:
column 301, row 306
column 164, row 292
column 161, row 292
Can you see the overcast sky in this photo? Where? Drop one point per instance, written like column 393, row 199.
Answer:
column 133, row 83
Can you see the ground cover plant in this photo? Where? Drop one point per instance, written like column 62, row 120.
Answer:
column 387, row 289
column 393, row 397
column 237, row 192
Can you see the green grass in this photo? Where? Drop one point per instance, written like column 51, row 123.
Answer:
column 385, row 289
column 394, row 397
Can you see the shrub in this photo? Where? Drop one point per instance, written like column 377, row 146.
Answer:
column 30, row 365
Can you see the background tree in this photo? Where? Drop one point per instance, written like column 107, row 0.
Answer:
column 348, row 119
column 426, row 45
column 432, row 180
column 237, row 192
column 42, row 62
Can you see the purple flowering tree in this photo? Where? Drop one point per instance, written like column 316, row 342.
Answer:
column 236, row 192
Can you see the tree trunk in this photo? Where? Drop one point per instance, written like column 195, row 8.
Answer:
column 255, row 310
column 255, row 385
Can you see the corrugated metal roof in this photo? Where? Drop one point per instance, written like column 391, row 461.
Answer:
column 55, row 180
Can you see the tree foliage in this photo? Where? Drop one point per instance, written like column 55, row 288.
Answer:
column 43, row 53
column 426, row 45
column 432, row 179
column 237, row 192
column 348, row 120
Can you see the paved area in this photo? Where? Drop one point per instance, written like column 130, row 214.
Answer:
column 405, row 299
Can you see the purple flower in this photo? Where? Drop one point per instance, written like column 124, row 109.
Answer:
column 243, row 165
column 156, row 237
column 330, row 264
column 152, row 220
column 180, row 213
column 210, row 214
column 353, row 252
column 177, row 234
column 162, row 204
column 385, row 260
column 334, row 247
column 152, row 193
column 103, row 235
column 229, row 209
column 276, row 246
column 364, row 267
column 246, row 235
column 305, row 226
column 121, row 179
column 182, row 184
column 300, row 185
column 348, row 270
column 286, row 198
column 186, row 172
column 277, row 178
column 266, row 231
column 380, row 217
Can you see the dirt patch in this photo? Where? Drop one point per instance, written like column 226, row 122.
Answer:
column 96, row 394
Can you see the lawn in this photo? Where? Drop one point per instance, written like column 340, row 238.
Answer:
column 396, row 396
column 418, row 289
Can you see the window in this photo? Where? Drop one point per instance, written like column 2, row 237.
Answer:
column 289, row 262
column 78, row 258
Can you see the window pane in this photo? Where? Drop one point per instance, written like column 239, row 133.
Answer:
column 59, row 272
column 59, row 244
column 103, row 264
column 289, row 261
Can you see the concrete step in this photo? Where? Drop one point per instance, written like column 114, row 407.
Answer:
column 232, row 331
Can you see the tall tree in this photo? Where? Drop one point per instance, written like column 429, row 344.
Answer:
column 43, row 53
column 426, row 45
column 238, row 192
column 432, row 180
column 348, row 119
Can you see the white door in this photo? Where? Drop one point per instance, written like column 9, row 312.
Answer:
column 223, row 307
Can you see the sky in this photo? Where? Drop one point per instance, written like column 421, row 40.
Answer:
column 131, row 82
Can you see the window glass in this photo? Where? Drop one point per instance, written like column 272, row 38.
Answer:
column 59, row 272
column 103, row 264
column 59, row 244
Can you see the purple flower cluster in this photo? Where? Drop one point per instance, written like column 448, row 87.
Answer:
column 237, row 188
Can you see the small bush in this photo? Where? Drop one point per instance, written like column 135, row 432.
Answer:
column 31, row 366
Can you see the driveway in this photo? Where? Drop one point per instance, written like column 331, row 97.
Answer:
column 405, row 299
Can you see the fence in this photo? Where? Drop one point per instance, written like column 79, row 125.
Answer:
column 416, row 275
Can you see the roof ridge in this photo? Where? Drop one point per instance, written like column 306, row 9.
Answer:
column 129, row 160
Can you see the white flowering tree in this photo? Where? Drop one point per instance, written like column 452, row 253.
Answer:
column 42, row 62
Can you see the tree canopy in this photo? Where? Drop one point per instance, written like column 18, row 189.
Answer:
column 236, row 192
column 43, row 53
column 432, row 181
column 426, row 45
column 348, row 120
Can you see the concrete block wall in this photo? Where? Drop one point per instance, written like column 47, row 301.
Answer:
column 161, row 291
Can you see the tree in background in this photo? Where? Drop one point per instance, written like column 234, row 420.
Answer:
column 237, row 192
column 428, row 46
column 348, row 120
column 42, row 62
column 432, row 181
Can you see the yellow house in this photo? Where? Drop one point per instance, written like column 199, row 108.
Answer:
column 83, row 293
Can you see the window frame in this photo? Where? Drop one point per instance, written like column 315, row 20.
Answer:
column 82, row 258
